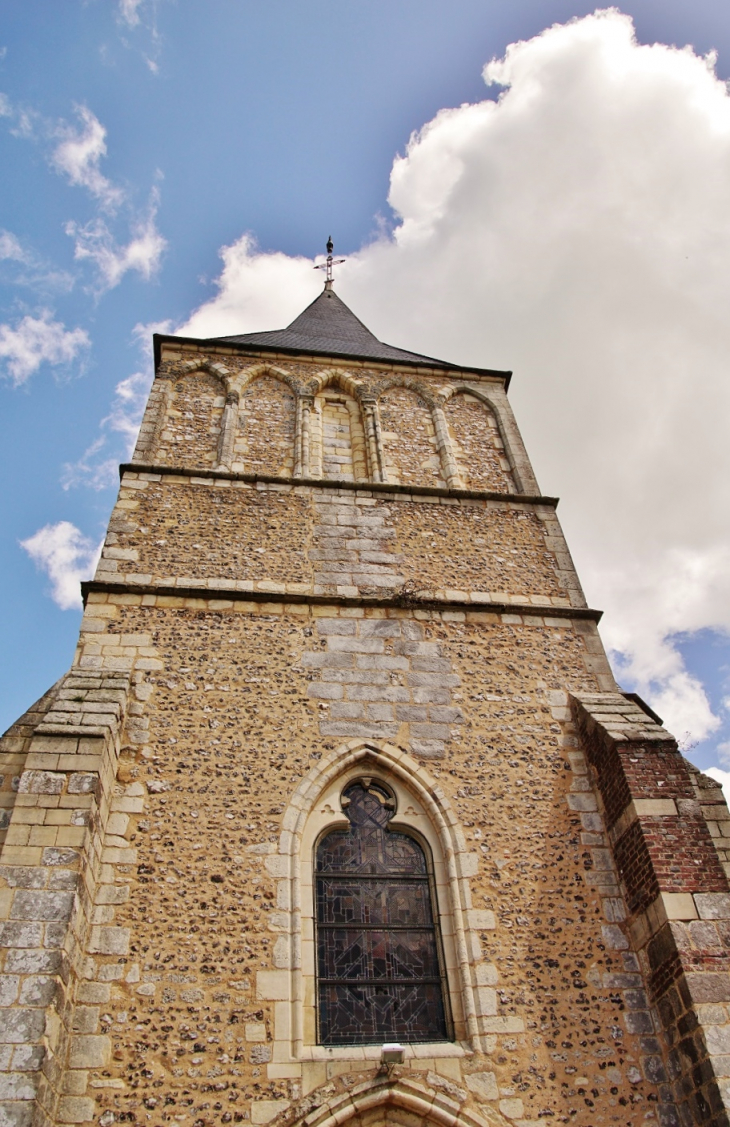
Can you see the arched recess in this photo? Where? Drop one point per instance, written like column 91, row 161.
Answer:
column 191, row 425
column 337, row 439
column 267, row 426
column 402, row 1102
column 422, row 810
column 411, row 454
column 477, row 443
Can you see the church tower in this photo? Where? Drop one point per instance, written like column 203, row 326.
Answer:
column 339, row 816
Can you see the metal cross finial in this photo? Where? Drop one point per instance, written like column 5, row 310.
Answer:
column 328, row 264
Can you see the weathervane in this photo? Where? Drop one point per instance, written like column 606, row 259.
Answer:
column 329, row 263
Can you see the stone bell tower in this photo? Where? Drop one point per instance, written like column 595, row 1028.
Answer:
column 340, row 764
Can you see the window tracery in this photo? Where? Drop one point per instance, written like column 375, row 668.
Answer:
column 379, row 964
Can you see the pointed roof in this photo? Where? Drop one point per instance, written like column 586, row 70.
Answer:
column 329, row 326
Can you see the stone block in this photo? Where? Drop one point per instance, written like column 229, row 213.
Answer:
column 717, row 1038
column 263, row 1111
column 373, row 729
column 75, row 1109
column 712, row 905
column 708, row 986
column 109, row 940
column 82, row 782
column 654, row 807
column 38, row 990
column 255, row 1031
column 483, row 1085
column 89, row 1051
column 60, row 856
column 18, row 1086
column 481, row 919
column 17, row 934
column 319, row 690
column 336, row 626
column 486, row 1001
column 9, row 987
column 512, row 1108
column 39, row 905
column 41, row 782
column 273, row 985
column 28, row 1058
column 428, row 749
column 380, row 628
column 582, row 802
column 381, row 662
column 21, row 1025
column 680, row 906
column 33, row 962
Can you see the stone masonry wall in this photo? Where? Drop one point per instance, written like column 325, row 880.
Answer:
column 395, row 428
column 246, row 641
column 170, row 530
column 233, row 719
column 478, row 446
column 192, row 422
column 409, row 439
column 267, row 426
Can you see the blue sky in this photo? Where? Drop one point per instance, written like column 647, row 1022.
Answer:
column 137, row 139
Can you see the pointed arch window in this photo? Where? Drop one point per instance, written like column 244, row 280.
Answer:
column 379, row 961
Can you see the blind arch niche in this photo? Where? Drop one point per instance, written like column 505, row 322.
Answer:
column 379, row 960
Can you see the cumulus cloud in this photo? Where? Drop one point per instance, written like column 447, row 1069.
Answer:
column 94, row 241
column 67, row 557
column 78, row 155
column 255, row 291
column 575, row 228
column 38, row 340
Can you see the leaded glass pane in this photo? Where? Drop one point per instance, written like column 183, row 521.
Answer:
column 379, row 973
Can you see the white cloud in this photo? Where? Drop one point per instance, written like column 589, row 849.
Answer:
column 721, row 777
column 577, row 231
column 129, row 11
column 98, row 466
column 38, row 340
column 26, row 268
column 78, row 154
column 256, row 292
column 143, row 253
column 66, row 556
column 10, row 248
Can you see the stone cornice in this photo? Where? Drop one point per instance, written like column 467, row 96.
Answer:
column 397, row 599
column 351, row 486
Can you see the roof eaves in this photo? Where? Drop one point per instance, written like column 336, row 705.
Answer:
column 159, row 339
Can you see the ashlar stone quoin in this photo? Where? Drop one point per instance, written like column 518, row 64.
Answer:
column 340, row 762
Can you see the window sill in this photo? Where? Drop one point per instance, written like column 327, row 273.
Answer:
column 424, row 1049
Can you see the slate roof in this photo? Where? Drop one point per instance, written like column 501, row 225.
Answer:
column 328, row 326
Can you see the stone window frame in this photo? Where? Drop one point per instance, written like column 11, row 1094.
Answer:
column 313, row 810
column 399, row 823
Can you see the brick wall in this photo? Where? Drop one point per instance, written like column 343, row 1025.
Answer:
column 676, row 891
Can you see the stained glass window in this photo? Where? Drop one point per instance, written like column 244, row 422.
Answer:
column 378, row 958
